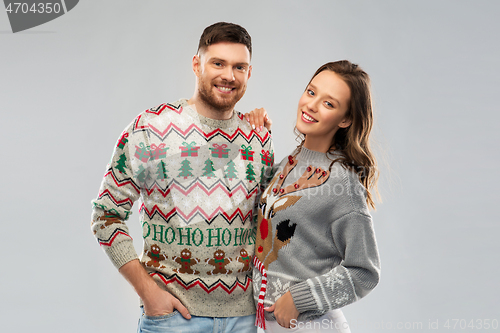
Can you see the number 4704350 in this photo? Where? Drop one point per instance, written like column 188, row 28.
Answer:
column 36, row 8
column 478, row 324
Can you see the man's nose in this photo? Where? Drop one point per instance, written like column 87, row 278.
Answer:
column 228, row 74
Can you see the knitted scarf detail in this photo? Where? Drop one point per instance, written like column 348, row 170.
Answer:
column 259, row 320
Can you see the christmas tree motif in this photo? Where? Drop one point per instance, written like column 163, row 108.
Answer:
column 141, row 174
column 185, row 170
column 120, row 164
column 208, row 169
column 148, row 177
column 264, row 176
column 162, row 171
column 250, row 172
column 230, row 171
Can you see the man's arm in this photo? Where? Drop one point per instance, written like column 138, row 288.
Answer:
column 120, row 188
column 157, row 302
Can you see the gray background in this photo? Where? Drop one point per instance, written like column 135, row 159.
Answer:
column 69, row 87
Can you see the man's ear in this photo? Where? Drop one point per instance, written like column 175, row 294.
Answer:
column 196, row 63
column 345, row 123
column 249, row 71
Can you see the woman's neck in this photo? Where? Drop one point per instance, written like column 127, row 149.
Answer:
column 317, row 144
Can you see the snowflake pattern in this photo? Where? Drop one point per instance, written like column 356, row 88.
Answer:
column 186, row 203
column 332, row 279
column 219, row 164
column 197, row 197
column 257, row 279
column 219, row 198
column 240, row 164
column 176, row 197
column 227, row 204
column 279, row 289
column 239, row 198
column 165, row 120
column 157, row 197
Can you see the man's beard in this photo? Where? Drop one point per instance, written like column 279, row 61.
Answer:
column 220, row 104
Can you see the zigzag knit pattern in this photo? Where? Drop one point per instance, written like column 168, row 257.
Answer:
column 198, row 179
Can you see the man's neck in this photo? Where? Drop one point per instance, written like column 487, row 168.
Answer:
column 208, row 111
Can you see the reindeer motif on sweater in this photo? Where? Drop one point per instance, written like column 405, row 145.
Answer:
column 273, row 200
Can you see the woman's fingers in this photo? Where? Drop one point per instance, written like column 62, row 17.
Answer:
column 258, row 118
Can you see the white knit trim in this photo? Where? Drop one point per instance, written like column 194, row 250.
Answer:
column 315, row 295
column 325, row 295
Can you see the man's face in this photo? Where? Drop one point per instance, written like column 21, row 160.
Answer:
column 223, row 71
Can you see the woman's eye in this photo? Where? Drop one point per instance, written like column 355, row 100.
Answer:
column 310, row 92
column 330, row 105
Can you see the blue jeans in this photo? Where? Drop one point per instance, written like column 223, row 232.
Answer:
column 175, row 323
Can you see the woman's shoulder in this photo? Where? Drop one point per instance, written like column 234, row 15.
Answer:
column 346, row 182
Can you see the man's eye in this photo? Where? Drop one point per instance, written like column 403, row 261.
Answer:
column 240, row 68
column 218, row 64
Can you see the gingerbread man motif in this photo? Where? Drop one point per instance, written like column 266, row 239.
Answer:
column 186, row 262
column 245, row 259
column 155, row 256
column 110, row 219
column 219, row 261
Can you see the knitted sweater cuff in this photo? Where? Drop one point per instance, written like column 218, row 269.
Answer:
column 121, row 253
column 302, row 297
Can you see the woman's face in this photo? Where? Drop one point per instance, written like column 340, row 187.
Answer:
column 322, row 109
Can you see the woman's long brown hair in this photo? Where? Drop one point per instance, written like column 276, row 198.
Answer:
column 353, row 142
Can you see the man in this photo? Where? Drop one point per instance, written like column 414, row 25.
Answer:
column 197, row 166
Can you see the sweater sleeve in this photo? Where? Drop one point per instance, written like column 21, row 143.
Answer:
column 112, row 207
column 356, row 275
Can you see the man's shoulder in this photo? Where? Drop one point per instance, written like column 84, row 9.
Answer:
column 243, row 124
column 247, row 129
column 160, row 109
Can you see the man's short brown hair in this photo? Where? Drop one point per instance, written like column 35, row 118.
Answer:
column 224, row 32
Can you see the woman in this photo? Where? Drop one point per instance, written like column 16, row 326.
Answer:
column 315, row 245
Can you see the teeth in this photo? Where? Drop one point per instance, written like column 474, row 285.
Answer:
column 225, row 89
column 307, row 117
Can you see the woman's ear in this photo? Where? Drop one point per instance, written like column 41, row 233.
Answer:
column 345, row 123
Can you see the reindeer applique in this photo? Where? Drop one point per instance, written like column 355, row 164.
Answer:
column 275, row 199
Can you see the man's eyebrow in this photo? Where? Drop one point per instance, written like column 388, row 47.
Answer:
column 328, row 95
column 217, row 60
column 244, row 64
column 224, row 61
